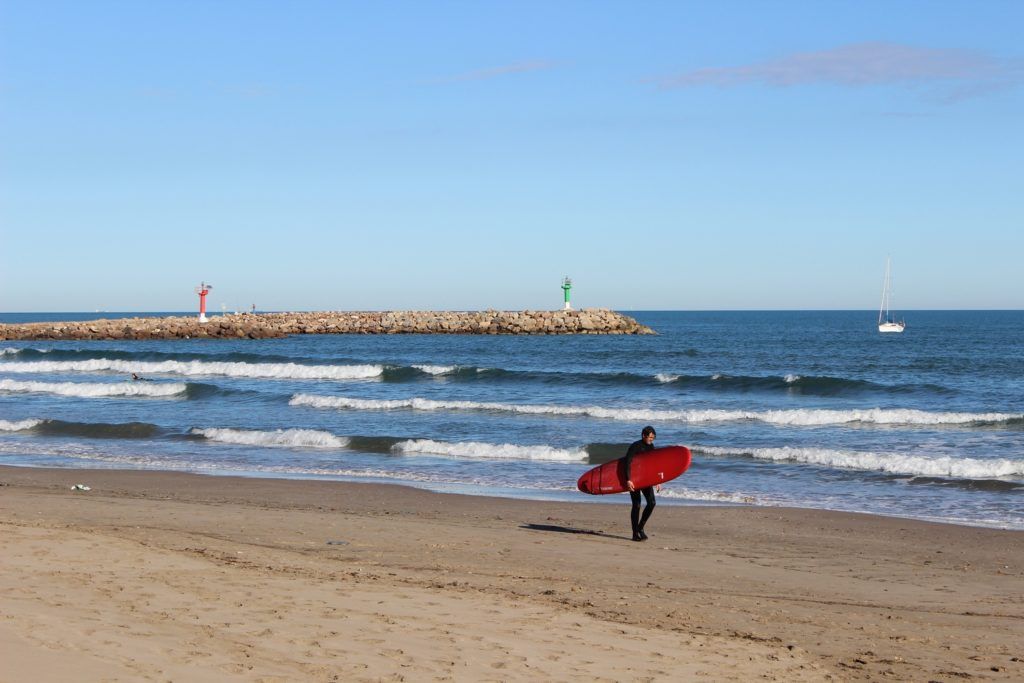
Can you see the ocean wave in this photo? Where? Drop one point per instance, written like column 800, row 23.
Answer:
column 265, row 366
column 890, row 463
column 96, row 390
column 150, row 354
column 436, row 369
column 504, row 451
column 18, row 426
column 200, row 368
column 791, row 383
column 156, row 461
column 98, row 430
column 806, row 417
column 997, row 485
column 92, row 457
column 670, row 491
column 281, row 438
column 811, row 385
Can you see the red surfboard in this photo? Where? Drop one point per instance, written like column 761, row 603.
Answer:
column 648, row 469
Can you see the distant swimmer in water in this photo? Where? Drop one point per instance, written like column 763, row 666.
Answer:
column 646, row 443
column 136, row 377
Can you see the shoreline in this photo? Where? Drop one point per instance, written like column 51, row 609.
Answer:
column 723, row 593
column 571, row 497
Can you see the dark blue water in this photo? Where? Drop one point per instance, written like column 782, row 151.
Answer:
column 811, row 409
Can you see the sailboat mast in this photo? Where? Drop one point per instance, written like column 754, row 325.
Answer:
column 883, row 309
column 886, row 320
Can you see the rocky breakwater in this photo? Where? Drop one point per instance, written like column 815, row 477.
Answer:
column 271, row 325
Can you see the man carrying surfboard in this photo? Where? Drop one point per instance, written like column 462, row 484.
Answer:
column 642, row 470
column 646, row 443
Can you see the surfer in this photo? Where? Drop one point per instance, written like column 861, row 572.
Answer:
column 135, row 378
column 646, row 443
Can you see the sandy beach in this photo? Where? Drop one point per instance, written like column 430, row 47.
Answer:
column 167, row 576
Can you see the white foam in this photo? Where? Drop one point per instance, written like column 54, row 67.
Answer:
column 436, row 481
column 437, row 369
column 19, row 426
column 154, row 461
column 892, row 463
column 96, row 390
column 790, row 379
column 201, row 368
column 286, row 438
column 669, row 491
column 665, row 378
column 9, row 351
column 796, row 417
column 504, row 451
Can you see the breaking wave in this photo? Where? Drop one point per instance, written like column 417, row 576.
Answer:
column 282, row 438
column 997, row 485
column 201, row 368
column 19, row 426
column 890, row 463
column 504, row 451
column 794, row 417
column 157, row 462
column 789, row 384
column 709, row 496
column 436, row 369
column 98, row 430
column 149, row 354
column 92, row 430
column 793, row 383
column 265, row 366
column 309, row 438
column 96, row 390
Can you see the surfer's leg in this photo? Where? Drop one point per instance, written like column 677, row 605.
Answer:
column 648, row 509
column 634, row 514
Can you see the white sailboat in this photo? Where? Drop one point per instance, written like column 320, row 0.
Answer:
column 886, row 320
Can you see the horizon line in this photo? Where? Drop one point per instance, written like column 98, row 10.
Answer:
column 583, row 308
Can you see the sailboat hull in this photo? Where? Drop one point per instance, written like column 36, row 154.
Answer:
column 891, row 327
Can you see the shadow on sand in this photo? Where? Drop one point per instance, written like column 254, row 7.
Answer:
column 571, row 530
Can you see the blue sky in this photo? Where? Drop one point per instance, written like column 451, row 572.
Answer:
column 464, row 155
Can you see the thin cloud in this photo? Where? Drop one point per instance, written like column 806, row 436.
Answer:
column 497, row 72
column 158, row 93
column 969, row 73
column 251, row 90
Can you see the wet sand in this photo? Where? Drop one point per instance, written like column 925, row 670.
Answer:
column 168, row 576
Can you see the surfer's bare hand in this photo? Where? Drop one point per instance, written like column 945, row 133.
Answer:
column 630, row 485
column 658, row 488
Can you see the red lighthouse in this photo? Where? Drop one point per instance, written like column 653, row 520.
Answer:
column 202, row 290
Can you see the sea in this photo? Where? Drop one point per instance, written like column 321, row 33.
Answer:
column 809, row 409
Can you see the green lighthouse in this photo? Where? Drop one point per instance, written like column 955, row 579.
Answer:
column 566, row 287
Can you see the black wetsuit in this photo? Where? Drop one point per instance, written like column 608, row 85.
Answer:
column 638, row 522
